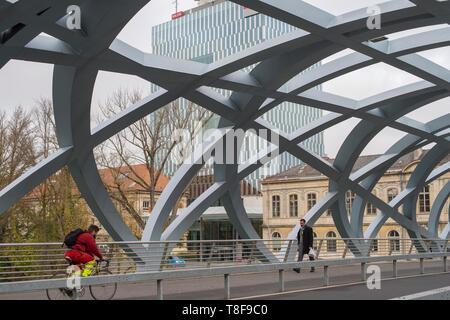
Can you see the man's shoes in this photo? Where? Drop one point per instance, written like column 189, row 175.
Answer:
column 297, row 270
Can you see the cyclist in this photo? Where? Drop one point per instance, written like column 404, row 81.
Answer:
column 84, row 251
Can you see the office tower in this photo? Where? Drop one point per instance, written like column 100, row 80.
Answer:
column 217, row 29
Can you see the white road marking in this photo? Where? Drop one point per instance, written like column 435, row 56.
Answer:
column 333, row 286
column 436, row 294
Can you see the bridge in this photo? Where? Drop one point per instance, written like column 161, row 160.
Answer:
column 191, row 269
column 79, row 54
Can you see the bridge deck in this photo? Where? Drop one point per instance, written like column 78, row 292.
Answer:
column 264, row 285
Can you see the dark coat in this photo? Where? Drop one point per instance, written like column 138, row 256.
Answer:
column 308, row 238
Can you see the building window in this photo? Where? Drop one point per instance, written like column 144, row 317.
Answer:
column 293, row 205
column 349, row 198
column 276, row 206
column 145, row 205
column 331, row 244
column 374, row 245
column 371, row 209
column 311, row 200
column 276, row 237
column 424, row 200
column 391, row 194
column 394, row 242
column 328, row 212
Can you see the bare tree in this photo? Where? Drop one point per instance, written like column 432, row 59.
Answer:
column 54, row 207
column 59, row 206
column 147, row 141
column 16, row 145
column 45, row 128
column 17, row 154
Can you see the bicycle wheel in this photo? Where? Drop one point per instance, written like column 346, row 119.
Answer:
column 59, row 293
column 103, row 291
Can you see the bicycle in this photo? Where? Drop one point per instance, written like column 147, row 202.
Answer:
column 98, row 292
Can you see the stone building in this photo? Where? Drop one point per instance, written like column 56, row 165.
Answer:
column 288, row 196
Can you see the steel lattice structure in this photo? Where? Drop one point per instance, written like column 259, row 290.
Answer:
column 79, row 55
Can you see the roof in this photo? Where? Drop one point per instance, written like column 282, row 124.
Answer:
column 304, row 171
column 128, row 178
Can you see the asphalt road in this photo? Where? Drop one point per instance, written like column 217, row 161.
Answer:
column 389, row 289
column 344, row 284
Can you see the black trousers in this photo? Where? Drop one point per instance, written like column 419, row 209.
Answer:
column 301, row 255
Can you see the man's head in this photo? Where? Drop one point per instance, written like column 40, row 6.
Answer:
column 302, row 222
column 93, row 230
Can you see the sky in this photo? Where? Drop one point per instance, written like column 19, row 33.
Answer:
column 22, row 83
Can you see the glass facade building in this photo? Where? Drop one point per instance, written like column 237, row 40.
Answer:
column 219, row 29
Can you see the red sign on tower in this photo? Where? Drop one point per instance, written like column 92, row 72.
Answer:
column 177, row 15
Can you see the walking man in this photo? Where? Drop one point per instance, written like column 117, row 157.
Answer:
column 305, row 238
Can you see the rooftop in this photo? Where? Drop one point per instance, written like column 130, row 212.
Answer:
column 131, row 178
column 304, row 171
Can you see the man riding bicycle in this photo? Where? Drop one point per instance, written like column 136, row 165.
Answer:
column 84, row 251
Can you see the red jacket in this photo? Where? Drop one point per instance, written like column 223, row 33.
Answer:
column 86, row 243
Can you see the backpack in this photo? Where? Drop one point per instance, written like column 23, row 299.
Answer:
column 71, row 238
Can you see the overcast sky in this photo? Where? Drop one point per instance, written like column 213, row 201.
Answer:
column 22, row 83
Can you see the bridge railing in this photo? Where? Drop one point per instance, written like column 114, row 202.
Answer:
column 38, row 261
